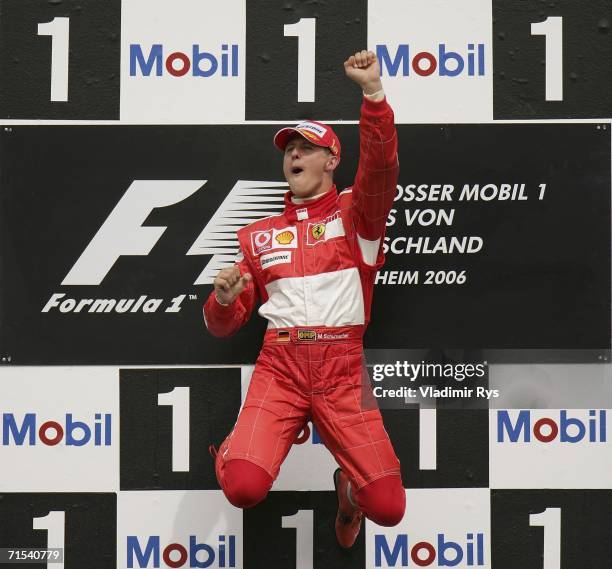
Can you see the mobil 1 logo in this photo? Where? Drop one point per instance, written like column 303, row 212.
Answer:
column 296, row 530
column 294, row 57
column 60, row 60
column 169, row 418
column 81, row 527
column 552, row 60
column 554, row 529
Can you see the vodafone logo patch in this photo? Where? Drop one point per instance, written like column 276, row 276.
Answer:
column 261, row 241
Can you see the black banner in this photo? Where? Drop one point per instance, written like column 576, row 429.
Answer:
column 104, row 239
column 502, row 262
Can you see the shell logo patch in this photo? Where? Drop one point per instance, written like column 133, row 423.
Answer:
column 318, row 230
column 285, row 237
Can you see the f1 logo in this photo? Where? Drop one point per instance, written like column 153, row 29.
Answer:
column 123, row 234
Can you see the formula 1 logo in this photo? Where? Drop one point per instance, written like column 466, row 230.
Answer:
column 122, row 233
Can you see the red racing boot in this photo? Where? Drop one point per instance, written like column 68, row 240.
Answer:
column 348, row 518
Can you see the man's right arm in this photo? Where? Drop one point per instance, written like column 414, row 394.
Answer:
column 232, row 300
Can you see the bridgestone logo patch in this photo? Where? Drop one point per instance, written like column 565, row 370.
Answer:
column 318, row 130
column 275, row 259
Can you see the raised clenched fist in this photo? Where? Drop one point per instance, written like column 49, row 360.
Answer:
column 229, row 283
column 364, row 69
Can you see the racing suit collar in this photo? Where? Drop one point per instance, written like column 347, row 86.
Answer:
column 307, row 200
column 310, row 208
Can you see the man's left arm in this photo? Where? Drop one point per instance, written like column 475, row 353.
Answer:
column 376, row 180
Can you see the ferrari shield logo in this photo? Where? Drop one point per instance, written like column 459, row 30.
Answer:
column 318, row 230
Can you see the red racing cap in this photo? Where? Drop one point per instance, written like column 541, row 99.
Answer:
column 313, row 131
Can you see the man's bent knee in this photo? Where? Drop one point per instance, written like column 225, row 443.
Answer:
column 244, row 483
column 383, row 501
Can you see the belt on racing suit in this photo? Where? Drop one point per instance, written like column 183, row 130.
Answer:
column 313, row 334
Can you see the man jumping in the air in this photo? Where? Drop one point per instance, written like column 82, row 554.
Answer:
column 313, row 268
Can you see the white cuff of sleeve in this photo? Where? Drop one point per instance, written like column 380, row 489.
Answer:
column 377, row 96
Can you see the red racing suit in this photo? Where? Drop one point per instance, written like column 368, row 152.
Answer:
column 313, row 269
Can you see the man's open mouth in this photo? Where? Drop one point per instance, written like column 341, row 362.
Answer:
column 296, row 170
